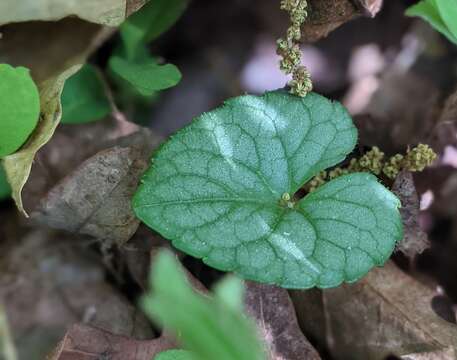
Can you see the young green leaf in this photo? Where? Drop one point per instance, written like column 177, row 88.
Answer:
column 438, row 13
column 222, row 189
column 5, row 189
column 448, row 12
column 153, row 19
column 175, row 355
column 19, row 108
column 146, row 78
column 206, row 326
column 231, row 291
column 84, row 98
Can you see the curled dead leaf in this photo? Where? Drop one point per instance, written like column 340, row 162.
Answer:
column 52, row 58
column 326, row 15
column 53, row 51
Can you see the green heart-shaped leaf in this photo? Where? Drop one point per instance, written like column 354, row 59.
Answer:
column 222, row 189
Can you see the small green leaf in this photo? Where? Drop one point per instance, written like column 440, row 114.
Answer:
column 19, row 108
column 428, row 10
column 175, row 355
column 153, row 19
column 206, row 326
column 222, row 189
column 146, row 78
column 84, row 98
column 5, row 189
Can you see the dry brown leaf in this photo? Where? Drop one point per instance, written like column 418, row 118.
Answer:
column 53, row 52
column 89, row 343
column 71, row 145
column 326, row 15
column 415, row 241
column 273, row 311
column 95, row 199
column 385, row 313
column 49, row 48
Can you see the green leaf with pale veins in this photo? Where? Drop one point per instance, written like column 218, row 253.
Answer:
column 219, row 190
column 84, row 98
column 146, row 78
column 207, row 326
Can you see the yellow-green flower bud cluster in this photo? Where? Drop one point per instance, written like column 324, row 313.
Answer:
column 289, row 48
column 416, row 159
column 372, row 161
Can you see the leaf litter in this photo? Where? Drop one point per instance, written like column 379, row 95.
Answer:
column 388, row 312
